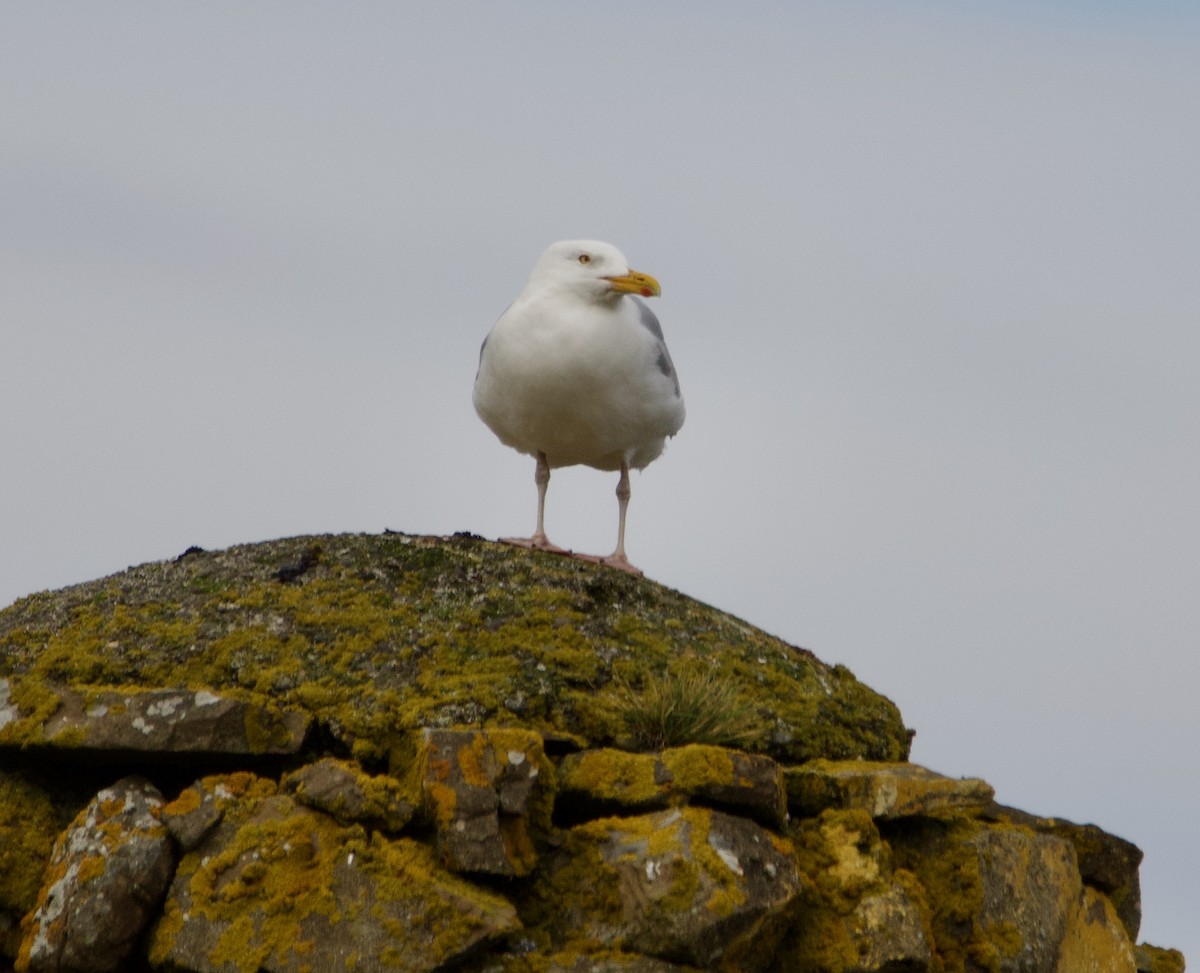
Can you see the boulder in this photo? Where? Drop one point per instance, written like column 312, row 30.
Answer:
column 489, row 794
column 1106, row 862
column 104, row 883
column 278, row 887
column 1000, row 896
column 687, row 885
column 607, row 781
column 155, row 720
column 883, row 790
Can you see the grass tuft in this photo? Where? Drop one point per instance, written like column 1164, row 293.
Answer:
column 694, row 706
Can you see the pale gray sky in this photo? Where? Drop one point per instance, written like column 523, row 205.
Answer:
column 929, row 278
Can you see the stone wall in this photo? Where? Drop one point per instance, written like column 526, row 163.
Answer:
column 258, row 760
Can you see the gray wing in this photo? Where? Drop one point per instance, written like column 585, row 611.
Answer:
column 650, row 323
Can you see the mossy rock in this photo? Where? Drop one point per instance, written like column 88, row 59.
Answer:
column 375, row 635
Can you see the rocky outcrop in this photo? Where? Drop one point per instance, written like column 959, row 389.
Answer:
column 424, row 760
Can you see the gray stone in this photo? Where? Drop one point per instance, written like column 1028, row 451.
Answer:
column 198, row 809
column 340, row 788
column 489, row 794
column 686, row 885
column 994, row 891
column 1106, row 862
column 888, row 933
column 103, row 884
column 605, row 781
column 883, row 790
column 157, row 720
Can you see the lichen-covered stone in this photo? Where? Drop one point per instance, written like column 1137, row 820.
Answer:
column 1106, row 862
column 489, row 795
column 1155, row 959
column 199, row 808
column 687, row 885
column 1095, row 940
column 380, row 634
column 883, row 790
column 157, row 720
column 1000, row 896
column 609, row 780
column 29, row 825
column 856, row 915
column 103, row 884
column 281, row 888
column 887, row 929
column 340, row 788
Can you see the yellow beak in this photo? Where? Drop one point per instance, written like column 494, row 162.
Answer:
column 636, row 283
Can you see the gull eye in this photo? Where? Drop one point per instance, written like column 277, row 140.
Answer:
column 585, row 258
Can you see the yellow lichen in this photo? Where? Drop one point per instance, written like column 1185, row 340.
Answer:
column 697, row 766
column 28, row 827
column 627, row 778
column 387, row 634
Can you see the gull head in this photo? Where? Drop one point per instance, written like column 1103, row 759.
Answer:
column 591, row 270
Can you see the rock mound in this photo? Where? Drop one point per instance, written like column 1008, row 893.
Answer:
column 412, row 753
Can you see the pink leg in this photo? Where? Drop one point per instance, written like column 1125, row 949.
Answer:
column 617, row 558
column 539, row 541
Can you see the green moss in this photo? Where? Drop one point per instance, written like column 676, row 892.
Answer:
column 387, row 633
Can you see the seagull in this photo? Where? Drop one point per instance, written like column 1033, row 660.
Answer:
column 576, row 371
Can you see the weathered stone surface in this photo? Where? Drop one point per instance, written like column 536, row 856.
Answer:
column 888, row 932
column 1106, row 862
column 1154, row 959
column 278, row 887
column 1095, row 941
column 1000, row 896
column 199, row 808
column 396, row 631
column 687, row 885
column 340, row 788
column 883, row 790
column 104, row 882
column 856, row 916
column 489, row 794
column 609, row 780
column 29, row 825
column 158, row 720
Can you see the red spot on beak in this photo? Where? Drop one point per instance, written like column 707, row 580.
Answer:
column 646, row 292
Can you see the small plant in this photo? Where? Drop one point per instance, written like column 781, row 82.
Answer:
column 694, row 706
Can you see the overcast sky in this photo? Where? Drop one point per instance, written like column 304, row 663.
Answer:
column 930, row 279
